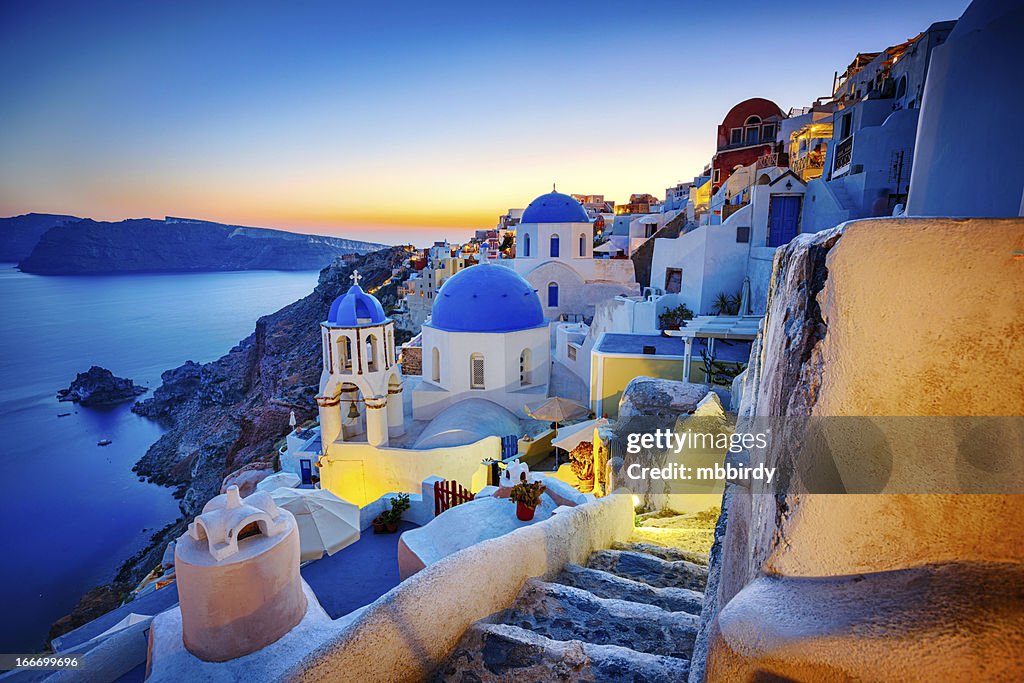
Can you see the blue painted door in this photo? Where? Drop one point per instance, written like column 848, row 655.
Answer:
column 783, row 220
column 307, row 471
column 552, row 295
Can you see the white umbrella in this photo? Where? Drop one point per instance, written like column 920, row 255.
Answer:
column 572, row 436
column 557, row 409
column 326, row 523
column 745, row 298
column 287, row 480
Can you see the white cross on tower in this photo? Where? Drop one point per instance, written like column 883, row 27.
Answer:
column 355, row 277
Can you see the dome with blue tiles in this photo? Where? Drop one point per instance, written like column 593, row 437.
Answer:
column 486, row 298
column 356, row 308
column 555, row 207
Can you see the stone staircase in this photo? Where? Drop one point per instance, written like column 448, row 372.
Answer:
column 631, row 614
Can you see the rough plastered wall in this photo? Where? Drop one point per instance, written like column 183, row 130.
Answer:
column 412, row 628
column 913, row 317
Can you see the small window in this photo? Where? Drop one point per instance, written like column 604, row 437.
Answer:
column 554, row 246
column 717, row 176
column 476, row 371
column 768, row 131
column 552, row 295
column 743, row 234
column 583, row 245
column 524, row 368
column 526, row 244
column 752, row 121
column 435, row 365
column 735, row 136
column 901, row 87
column 673, row 280
column 570, row 351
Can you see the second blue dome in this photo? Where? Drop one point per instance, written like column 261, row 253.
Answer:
column 486, row 298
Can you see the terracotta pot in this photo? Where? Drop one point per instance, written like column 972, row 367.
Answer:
column 523, row 512
column 586, row 485
column 392, row 527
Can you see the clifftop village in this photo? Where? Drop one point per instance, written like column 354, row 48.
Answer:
column 458, row 509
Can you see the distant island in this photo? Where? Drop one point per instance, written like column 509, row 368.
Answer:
column 45, row 244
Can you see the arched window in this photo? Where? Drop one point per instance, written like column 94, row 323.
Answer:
column 435, row 365
column 371, row 353
column 901, row 87
column 552, row 295
column 524, row 368
column 753, row 129
column 344, row 353
column 554, row 246
column 526, row 244
column 583, row 244
column 476, row 371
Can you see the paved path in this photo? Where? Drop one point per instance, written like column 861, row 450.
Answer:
column 357, row 575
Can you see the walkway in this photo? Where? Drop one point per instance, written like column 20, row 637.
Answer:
column 357, row 575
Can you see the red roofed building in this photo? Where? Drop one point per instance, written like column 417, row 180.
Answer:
column 746, row 134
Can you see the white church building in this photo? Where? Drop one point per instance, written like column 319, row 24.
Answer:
column 486, row 338
column 486, row 360
column 555, row 254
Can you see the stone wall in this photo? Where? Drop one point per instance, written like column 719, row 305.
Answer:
column 911, row 317
column 411, row 629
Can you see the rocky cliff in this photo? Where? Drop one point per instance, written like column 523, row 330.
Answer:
column 19, row 234
column 179, row 245
column 233, row 411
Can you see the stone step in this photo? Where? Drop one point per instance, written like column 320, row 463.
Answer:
column 663, row 552
column 606, row 585
column 695, row 540
column 562, row 612
column 501, row 653
column 649, row 569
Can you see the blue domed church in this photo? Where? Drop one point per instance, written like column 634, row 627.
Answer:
column 555, row 254
column 487, row 338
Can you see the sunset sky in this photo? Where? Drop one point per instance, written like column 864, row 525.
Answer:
column 394, row 121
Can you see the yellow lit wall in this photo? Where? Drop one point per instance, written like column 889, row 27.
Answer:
column 610, row 373
column 361, row 473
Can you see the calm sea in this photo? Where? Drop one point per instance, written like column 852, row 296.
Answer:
column 72, row 511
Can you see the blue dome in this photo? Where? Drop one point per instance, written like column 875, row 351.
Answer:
column 555, row 207
column 355, row 308
column 486, row 298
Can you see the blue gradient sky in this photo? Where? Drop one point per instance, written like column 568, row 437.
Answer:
column 394, row 120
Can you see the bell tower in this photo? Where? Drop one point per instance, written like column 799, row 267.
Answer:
column 361, row 385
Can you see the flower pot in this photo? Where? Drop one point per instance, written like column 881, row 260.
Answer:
column 523, row 512
column 392, row 527
column 586, row 485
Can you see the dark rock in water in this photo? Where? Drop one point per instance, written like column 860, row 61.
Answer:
column 104, row 442
column 99, row 387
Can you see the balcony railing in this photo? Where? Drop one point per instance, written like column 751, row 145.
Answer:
column 811, row 160
column 767, row 160
column 843, row 156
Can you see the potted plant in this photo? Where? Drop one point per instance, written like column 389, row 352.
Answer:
column 581, row 460
column 387, row 521
column 526, row 496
